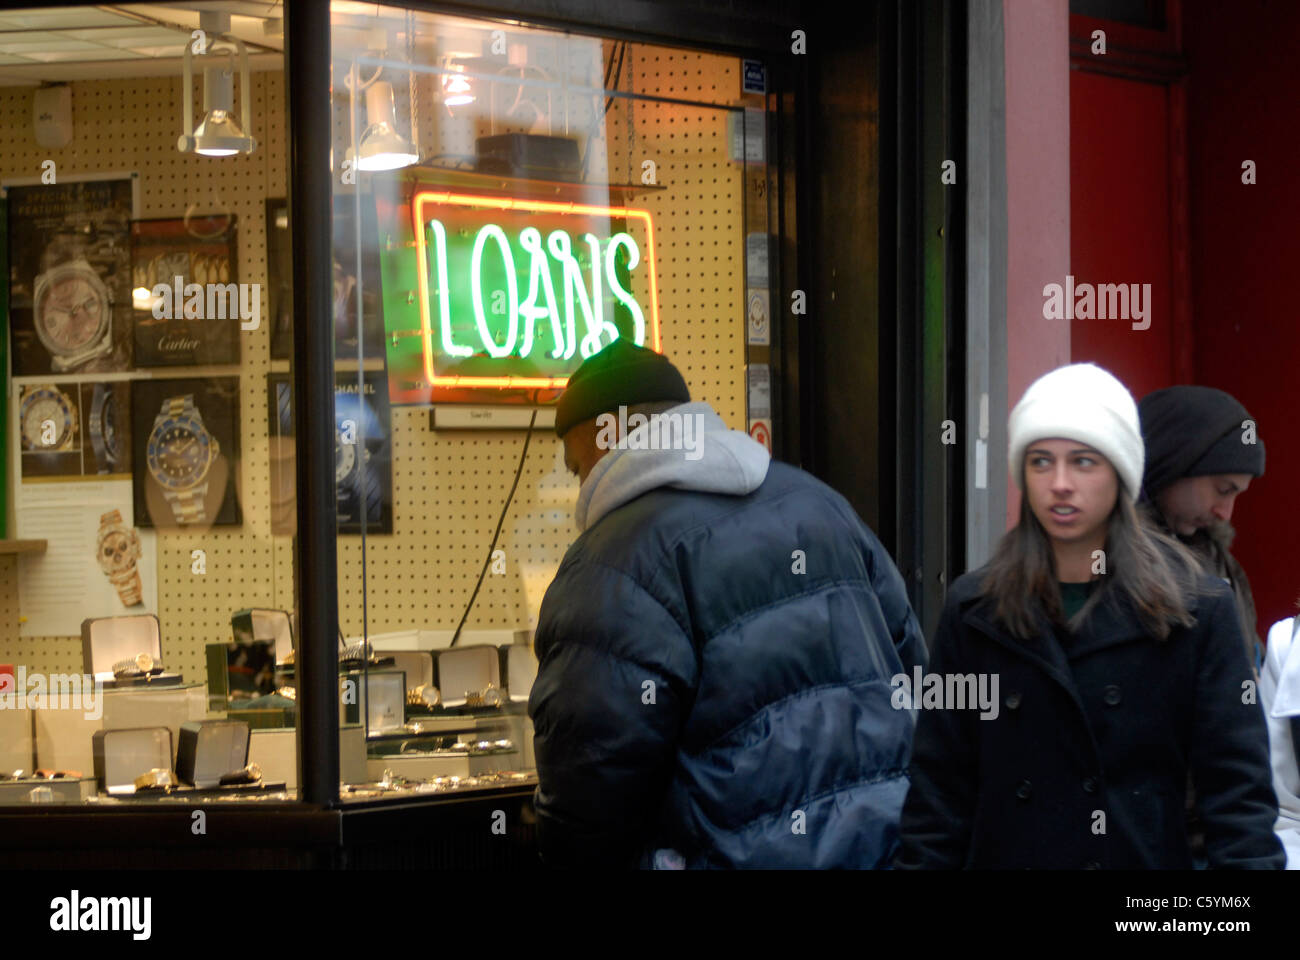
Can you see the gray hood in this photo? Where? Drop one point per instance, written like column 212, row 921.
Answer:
column 704, row 456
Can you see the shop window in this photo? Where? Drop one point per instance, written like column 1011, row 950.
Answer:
column 146, row 583
column 507, row 202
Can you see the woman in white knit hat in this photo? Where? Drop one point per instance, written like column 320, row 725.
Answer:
column 1104, row 648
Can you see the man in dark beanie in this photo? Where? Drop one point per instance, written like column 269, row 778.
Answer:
column 1202, row 450
column 716, row 649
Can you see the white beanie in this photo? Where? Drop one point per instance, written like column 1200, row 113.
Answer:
column 1085, row 403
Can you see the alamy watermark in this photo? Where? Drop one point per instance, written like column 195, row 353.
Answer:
column 659, row 431
column 1106, row 301
column 946, row 691
column 75, row 913
column 57, row 691
column 208, row 301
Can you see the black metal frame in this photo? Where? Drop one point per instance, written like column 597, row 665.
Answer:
column 307, row 67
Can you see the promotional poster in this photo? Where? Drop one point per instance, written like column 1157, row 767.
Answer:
column 363, row 468
column 75, row 430
column 187, row 330
column 185, row 446
column 70, row 277
column 354, row 288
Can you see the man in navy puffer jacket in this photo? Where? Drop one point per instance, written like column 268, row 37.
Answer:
column 716, row 648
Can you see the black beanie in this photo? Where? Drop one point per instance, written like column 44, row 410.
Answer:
column 1192, row 431
column 622, row 374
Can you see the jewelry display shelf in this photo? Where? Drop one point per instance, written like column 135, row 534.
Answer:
column 23, row 546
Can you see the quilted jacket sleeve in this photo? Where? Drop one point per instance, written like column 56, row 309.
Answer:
column 613, row 686
column 1230, row 762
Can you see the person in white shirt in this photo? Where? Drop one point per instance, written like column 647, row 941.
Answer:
column 1279, row 694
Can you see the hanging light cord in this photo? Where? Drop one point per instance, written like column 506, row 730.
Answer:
column 492, row 549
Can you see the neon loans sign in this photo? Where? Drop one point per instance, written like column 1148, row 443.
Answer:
column 517, row 293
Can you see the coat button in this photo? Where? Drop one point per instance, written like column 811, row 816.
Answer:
column 1090, row 785
column 1024, row 789
column 1112, row 695
column 1013, row 700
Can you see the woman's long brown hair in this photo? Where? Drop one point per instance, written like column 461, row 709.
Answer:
column 1150, row 569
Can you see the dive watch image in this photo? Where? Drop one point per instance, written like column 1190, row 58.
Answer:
column 180, row 454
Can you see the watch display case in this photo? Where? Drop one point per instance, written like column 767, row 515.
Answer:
column 121, row 756
column 211, row 751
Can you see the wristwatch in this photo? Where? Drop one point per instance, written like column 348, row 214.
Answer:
column 72, row 314
column 180, row 454
column 490, row 696
column 141, row 665
column 43, row 404
column 349, row 485
column 426, row 695
column 156, row 779
column 117, row 548
column 103, row 429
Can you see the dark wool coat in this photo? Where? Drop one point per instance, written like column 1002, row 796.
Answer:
column 1086, row 764
column 696, row 695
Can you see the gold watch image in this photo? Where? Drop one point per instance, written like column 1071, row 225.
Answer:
column 48, row 419
column 117, row 549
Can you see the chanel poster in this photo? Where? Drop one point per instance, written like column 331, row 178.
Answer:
column 363, row 462
column 348, row 283
column 70, row 276
column 201, row 325
column 279, row 274
column 185, row 451
column 75, row 430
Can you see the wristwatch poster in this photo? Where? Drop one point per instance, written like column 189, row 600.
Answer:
column 197, row 322
column 49, row 428
column 363, row 469
column 70, row 272
column 75, row 430
column 117, row 551
column 186, row 452
column 357, row 299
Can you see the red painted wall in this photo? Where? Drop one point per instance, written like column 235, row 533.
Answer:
column 1119, row 221
column 1245, row 243
column 1038, row 194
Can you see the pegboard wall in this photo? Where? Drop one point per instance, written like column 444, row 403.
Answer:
column 448, row 487
column 132, row 125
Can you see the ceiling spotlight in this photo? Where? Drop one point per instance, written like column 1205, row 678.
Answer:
column 382, row 147
column 456, row 89
column 221, row 133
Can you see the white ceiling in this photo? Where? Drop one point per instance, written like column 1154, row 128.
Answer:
column 125, row 40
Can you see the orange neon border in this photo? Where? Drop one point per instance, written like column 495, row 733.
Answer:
column 534, row 206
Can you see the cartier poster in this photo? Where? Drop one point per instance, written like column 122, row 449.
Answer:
column 363, row 460
column 186, row 294
column 185, row 445
column 70, row 276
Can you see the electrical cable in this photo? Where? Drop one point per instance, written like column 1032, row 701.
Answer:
column 500, row 522
column 620, row 48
